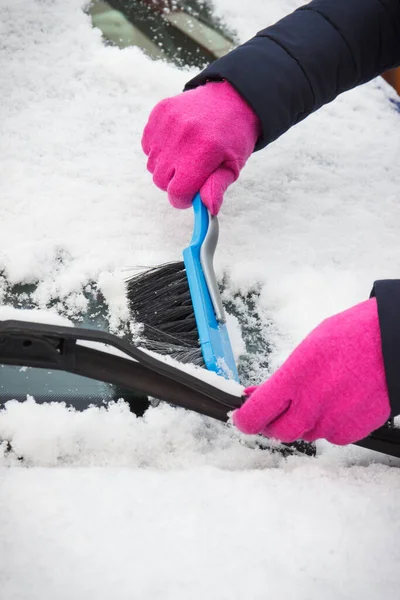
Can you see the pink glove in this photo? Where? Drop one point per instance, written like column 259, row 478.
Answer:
column 199, row 141
column 332, row 386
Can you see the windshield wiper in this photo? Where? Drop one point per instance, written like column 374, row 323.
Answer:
column 70, row 349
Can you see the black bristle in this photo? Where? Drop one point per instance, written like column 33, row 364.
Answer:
column 159, row 298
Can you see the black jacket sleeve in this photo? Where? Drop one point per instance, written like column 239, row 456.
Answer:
column 292, row 68
column 387, row 294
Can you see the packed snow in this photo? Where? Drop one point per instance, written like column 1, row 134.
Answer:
column 106, row 505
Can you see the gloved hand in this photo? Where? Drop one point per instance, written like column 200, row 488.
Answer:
column 200, row 141
column 332, row 386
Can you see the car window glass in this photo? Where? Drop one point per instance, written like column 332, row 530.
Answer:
column 185, row 33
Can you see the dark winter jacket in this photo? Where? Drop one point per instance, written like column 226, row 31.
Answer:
column 304, row 61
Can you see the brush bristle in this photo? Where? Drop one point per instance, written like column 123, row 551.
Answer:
column 159, row 298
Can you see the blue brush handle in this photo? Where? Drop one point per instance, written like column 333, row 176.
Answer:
column 213, row 335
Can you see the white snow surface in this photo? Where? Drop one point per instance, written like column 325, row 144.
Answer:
column 176, row 506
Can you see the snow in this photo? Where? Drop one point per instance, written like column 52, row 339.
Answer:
column 106, row 533
column 49, row 317
column 175, row 506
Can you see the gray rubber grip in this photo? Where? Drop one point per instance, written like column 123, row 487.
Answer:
column 207, row 252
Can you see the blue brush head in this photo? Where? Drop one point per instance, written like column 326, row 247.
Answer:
column 213, row 334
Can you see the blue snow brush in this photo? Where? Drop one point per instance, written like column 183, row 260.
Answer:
column 206, row 299
column 179, row 304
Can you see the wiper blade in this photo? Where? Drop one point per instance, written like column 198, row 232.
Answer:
column 55, row 347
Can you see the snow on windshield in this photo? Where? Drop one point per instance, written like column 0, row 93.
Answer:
column 312, row 219
column 311, row 223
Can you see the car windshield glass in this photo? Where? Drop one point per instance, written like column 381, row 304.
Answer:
column 182, row 32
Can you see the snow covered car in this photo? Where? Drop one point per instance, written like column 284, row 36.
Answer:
column 184, row 33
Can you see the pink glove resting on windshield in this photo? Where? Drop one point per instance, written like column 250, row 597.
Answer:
column 332, row 386
column 200, row 141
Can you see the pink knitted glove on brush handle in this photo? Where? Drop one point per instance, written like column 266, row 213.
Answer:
column 333, row 385
column 199, row 141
